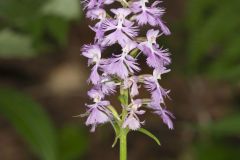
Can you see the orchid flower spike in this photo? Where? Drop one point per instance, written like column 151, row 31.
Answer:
column 124, row 26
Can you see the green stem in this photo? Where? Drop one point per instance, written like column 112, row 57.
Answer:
column 123, row 131
column 123, row 145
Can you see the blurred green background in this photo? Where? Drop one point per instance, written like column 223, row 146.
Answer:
column 43, row 84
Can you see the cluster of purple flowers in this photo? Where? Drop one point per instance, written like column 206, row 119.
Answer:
column 121, row 26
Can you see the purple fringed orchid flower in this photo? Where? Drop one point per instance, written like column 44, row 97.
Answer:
column 122, row 30
column 156, row 57
column 119, row 73
column 122, row 65
column 132, row 121
column 97, row 114
column 101, row 15
column 107, row 86
column 149, row 15
column 93, row 53
column 157, row 92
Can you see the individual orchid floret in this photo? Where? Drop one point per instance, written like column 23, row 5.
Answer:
column 97, row 114
column 156, row 57
column 149, row 15
column 122, row 65
column 157, row 92
column 122, row 30
column 93, row 52
column 96, row 94
column 107, row 85
column 101, row 15
column 132, row 121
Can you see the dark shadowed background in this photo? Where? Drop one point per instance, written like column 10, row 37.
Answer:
column 43, row 84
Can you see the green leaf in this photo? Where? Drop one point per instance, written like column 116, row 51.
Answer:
column 68, row 9
column 73, row 142
column 146, row 132
column 31, row 122
column 13, row 45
